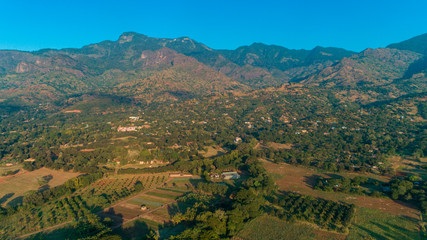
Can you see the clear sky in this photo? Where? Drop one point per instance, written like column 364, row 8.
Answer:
column 350, row 24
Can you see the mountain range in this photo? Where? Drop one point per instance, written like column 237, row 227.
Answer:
column 159, row 69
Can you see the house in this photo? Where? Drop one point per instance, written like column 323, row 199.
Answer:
column 237, row 140
column 126, row 129
column 230, row 175
column 174, row 175
column 214, row 176
column 144, row 207
column 132, row 118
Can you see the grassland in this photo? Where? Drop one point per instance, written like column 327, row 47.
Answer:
column 409, row 166
column 13, row 187
column 271, row 228
column 4, row 169
column 373, row 224
column 213, row 151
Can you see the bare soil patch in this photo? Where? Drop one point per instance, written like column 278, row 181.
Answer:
column 87, row 150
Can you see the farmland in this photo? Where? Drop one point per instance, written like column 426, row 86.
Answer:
column 405, row 166
column 302, row 180
column 13, row 187
column 271, row 228
column 101, row 193
column 159, row 200
column 396, row 220
column 58, row 212
column 379, row 225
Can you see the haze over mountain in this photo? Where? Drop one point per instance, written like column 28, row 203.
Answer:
column 161, row 69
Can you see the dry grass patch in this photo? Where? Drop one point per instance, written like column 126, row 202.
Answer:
column 213, row 151
column 23, row 182
column 278, row 146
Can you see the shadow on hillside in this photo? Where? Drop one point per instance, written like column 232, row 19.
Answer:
column 116, row 218
column 194, row 182
column 6, row 197
column 311, row 180
column 389, row 231
column 16, row 201
column 137, row 230
column 44, row 188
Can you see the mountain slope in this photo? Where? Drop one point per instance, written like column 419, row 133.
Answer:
column 162, row 69
column 174, row 76
column 371, row 67
column 282, row 64
column 52, row 74
column 416, row 44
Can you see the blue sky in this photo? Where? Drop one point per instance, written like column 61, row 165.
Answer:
column 354, row 25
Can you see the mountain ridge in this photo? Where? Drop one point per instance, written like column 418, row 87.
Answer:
column 136, row 62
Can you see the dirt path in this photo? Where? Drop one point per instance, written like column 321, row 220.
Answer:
column 302, row 180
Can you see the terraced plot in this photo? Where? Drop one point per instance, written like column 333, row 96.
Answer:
column 165, row 194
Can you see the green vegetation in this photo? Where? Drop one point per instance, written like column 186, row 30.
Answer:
column 88, row 140
column 374, row 224
column 327, row 214
column 271, row 228
column 411, row 189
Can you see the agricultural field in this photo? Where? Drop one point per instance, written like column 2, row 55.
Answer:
column 114, row 183
column 109, row 190
column 13, row 188
column 101, row 193
column 184, row 184
column 374, row 224
column 302, row 180
column 271, row 228
column 160, row 202
column 61, row 211
column 382, row 218
column 404, row 166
